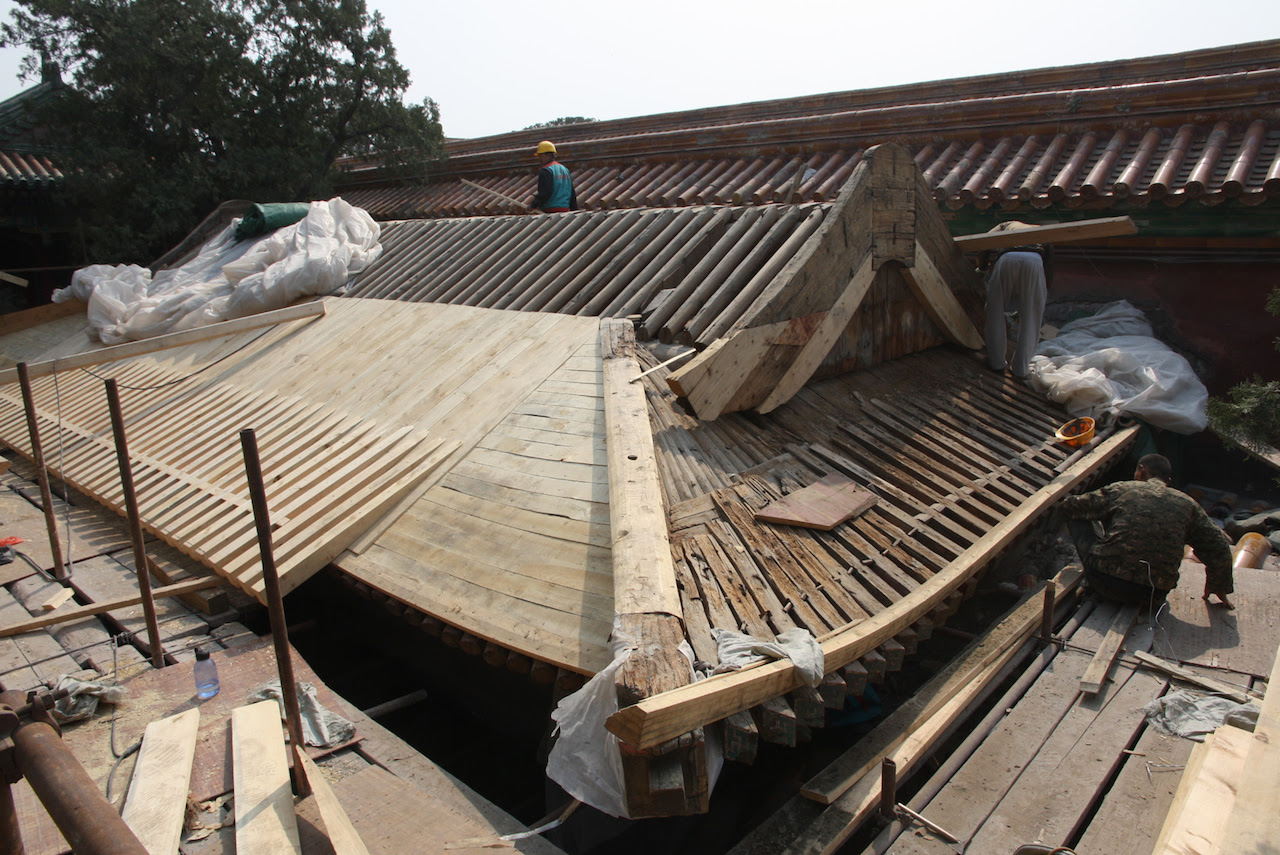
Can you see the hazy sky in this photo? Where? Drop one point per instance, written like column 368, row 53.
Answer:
column 500, row 65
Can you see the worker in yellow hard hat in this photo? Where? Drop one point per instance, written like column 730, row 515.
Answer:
column 555, row 184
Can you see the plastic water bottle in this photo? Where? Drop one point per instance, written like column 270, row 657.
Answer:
column 206, row 675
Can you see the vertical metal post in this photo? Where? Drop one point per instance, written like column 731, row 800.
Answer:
column 1046, row 619
column 10, row 833
column 275, row 600
column 42, row 475
column 135, row 525
column 889, row 790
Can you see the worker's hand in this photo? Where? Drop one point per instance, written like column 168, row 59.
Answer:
column 1224, row 602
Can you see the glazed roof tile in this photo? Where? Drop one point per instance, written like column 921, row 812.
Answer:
column 1201, row 126
column 26, row 170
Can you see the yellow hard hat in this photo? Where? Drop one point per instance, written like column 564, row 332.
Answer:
column 546, row 147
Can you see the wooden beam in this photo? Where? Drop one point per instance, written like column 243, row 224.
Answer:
column 1096, row 674
column 1211, row 786
column 265, row 822
column 65, row 615
column 1054, row 233
column 337, row 825
column 644, row 576
column 13, row 280
column 1236, row 693
column 302, row 311
column 157, row 799
column 939, row 301
column 1255, row 823
column 820, row 342
column 656, row 720
column 973, row 665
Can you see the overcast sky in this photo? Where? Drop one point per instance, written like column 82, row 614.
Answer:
column 499, row 65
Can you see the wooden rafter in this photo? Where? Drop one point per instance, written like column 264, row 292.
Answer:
column 655, row 720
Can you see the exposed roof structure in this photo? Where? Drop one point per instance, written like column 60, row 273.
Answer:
column 1201, row 126
column 562, row 494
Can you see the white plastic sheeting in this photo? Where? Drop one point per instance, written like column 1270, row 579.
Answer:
column 586, row 760
column 1111, row 363
column 229, row 279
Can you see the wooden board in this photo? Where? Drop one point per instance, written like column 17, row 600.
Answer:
column 513, row 544
column 265, row 824
column 1242, row 640
column 157, row 799
column 1135, row 807
column 823, row 505
column 154, row 694
column 1208, row 791
column 1096, row 674
column 1052, row 233
column 1255, row 823
column 344, row 839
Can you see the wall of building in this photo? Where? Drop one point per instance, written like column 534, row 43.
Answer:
column 1208, row 305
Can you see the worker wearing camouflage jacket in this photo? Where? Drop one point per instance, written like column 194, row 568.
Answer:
column 1146, row 523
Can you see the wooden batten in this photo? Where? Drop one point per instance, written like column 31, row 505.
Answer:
column 884, row 231
column 656, row 720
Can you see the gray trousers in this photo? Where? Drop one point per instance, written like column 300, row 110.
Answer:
column 1016, row 277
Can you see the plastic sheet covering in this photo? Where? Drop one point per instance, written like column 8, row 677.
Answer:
column 314, row 257
column 1192, row 715
column 1111, row 363
column 586, row 760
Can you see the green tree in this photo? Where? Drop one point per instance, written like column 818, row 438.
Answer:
column 174, row 106
column 559, row 123
column 1250, row 414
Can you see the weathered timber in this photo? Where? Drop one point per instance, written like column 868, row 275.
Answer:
column 656, row 720
column 1054, row 233
column 881, row 221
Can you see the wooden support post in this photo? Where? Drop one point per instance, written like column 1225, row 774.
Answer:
column 42, row 474
column 888, row 790
column 1046, row 619
column 135, row 524
column 275, row 600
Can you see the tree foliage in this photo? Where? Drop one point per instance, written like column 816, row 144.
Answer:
column 1250, row 414
column 175, row 106
column 559, row 123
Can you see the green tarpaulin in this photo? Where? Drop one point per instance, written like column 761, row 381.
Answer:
column 263, row 218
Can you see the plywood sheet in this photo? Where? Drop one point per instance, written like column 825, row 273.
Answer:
column 823, row 505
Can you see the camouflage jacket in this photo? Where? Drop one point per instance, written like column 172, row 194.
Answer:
column 1147, row 523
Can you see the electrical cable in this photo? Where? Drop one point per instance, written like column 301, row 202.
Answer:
column 115, row 677
column 185, row 377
